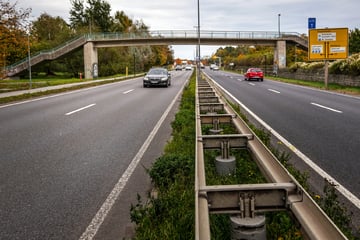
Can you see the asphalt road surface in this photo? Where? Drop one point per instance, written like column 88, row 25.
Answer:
column 61, row 156
column 322, row 125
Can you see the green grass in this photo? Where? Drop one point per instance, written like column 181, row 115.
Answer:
column 24, row 84
column 42, row 80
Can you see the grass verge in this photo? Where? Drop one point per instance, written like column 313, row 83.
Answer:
column 38, row 84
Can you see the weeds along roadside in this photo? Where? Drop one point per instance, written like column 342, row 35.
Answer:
column 171, row 214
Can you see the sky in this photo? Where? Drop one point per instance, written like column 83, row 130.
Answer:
column 220, row 15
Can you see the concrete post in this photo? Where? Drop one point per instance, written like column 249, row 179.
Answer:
column 90, row 58
column 280, row 54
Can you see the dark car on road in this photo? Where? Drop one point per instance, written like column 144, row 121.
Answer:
column 254, row 73
column 178, row 68
column 157, row 77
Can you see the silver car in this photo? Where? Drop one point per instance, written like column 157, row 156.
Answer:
column 157, row 77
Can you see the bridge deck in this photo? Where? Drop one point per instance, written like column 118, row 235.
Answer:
column 170, row 37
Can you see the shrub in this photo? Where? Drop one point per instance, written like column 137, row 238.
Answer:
column 349, row 66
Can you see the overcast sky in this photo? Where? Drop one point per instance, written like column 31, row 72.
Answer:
column 220, row 15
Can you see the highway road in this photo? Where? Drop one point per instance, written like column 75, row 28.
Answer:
column 322, row 125
column 66, row 159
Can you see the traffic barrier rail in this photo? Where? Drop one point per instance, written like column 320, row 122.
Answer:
column 282, row 192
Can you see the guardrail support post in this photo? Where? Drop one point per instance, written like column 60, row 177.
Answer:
column 216, row 129
column 225, row 164
column 248, row 228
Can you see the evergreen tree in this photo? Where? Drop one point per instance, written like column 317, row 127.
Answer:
column 95, row 15
column 354, row 41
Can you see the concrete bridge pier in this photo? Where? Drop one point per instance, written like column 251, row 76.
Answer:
column 280, row 54
column 90, row 61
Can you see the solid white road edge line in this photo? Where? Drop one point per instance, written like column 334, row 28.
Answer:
column 100, row 216
column 328, row 108
column 80, row 109
column 349, row 195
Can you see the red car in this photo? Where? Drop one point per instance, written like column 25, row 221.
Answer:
column 254, row 73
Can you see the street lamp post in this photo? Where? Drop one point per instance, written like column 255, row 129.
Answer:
column 265, row 65
column 29, row 58
column 198, row 35
column 4, row 55
column 279, row 23
column 134, row 64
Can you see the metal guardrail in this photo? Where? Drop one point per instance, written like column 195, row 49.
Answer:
column 282, row 192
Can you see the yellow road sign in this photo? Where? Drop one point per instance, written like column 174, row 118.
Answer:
column 328, row 44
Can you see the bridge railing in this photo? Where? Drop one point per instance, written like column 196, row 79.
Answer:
column 175, row 34
column 45, row 55
column 192, row 34
column 50, row 51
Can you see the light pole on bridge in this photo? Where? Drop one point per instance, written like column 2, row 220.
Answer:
column 198, row 35
column 279, row 24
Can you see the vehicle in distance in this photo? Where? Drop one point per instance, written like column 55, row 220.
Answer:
column 157, row 77
column 188, row 67
column 178, row 68
column 214, row 67
column 254, row 73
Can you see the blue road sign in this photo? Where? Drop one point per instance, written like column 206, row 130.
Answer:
column 312, row 23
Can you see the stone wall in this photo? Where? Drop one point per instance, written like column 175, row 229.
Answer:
column 318, row 76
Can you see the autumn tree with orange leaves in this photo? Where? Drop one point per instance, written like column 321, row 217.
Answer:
column 14, row 27
column 17, row 33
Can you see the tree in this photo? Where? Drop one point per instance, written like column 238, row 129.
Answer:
column 86, row 16
column 96, row 15
column 14, row 27
column 354, row 41
column 50, row 32
column 122, row 23
column 77, row 14
column 162, row 55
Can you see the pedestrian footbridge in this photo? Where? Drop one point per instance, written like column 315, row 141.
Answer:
column 91, row 42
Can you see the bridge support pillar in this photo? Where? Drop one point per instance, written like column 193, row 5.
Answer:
column 280, row 54
column 90, row 61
